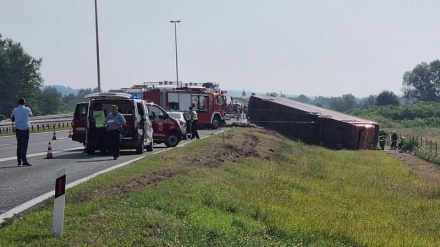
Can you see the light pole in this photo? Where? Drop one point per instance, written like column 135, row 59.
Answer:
column 175, row 44
column 97, row 47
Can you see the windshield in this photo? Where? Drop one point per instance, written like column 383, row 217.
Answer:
column 175, row 114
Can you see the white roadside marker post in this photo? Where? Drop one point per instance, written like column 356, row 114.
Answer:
column 59, row 202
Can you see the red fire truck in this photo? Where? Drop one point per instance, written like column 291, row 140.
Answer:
column 209, row 102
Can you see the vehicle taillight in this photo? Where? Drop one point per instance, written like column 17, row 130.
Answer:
column 181, row 122
column 130, row 124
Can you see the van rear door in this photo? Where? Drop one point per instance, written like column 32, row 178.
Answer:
column 79, row 122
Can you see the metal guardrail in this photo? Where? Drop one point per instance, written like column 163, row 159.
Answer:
column 39, row 120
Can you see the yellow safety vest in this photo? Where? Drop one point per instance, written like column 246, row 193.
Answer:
column 99, row 118
column 194, row 115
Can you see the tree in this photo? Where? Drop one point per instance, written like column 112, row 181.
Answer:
column 342, row 104
column 19, row 76
column 387, row 98
column 368, row 101
column 84, row 92
column 49, row 101
column 302, row 98
column 423, row 82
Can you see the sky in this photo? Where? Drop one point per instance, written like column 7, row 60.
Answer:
column 314, row 47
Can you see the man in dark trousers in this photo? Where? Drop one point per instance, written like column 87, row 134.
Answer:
column 194, row 123
column 394, row 138
column 114, row 121
column 382, row 137
column 20, row 115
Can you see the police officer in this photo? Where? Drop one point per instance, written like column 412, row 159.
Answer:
column 20, row 115
column 194, row 123
column 114, row 121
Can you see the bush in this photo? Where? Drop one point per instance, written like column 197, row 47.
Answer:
column 409, row 144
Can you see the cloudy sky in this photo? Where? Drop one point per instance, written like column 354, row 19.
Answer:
column 313, row 47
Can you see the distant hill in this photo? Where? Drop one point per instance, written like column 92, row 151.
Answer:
column 62, row 89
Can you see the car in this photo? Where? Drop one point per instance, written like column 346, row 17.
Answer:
column 79, row 122
column 137, row 133
column 183, row 117
column 166, row 129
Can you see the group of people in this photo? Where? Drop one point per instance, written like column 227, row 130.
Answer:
column 107, row 127
column 112, row 123
column 383, row 136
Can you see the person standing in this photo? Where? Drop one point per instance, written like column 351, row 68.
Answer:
column 97, row 127
column 382, row 137
column 394, row 138
column 20, row 115
column 114, row 121
column 194, row 123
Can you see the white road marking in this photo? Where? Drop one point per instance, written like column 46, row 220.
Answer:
column 39, row 154
column 35, row 201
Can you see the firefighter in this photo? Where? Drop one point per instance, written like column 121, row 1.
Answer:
column 382, row 137
column 194, row 123
column 394, row 140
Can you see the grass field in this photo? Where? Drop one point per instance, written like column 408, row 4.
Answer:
column 247, row 187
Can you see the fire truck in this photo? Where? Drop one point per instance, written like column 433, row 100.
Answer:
column 206, row 98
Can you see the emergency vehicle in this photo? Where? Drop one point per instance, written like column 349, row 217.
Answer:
column 206, row 98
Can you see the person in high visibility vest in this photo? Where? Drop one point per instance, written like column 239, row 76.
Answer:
column 194, row 123
column 99, row 131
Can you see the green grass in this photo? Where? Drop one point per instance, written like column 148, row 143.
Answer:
column 244, row 188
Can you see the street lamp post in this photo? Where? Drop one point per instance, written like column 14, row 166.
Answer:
column 97, row 47
column 175, row 44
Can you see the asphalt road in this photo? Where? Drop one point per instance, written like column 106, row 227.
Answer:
column 19, row 185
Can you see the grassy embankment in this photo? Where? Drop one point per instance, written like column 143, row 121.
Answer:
column 244, row 188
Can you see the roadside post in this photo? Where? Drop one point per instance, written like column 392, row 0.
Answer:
column 59, row 202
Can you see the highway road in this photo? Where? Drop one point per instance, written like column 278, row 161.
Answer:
column 19, row 185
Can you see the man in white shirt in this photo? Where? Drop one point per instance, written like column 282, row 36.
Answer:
column 20, row 115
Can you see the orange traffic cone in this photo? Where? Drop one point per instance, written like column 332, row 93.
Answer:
column 49, row 152
column 70, row 133
column 54, row 136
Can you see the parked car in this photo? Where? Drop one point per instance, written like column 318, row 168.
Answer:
column 137, row 132
column 166, row 129
column 79, row 122
column 183, row 118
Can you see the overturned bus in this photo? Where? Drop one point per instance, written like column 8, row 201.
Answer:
column 312, row 124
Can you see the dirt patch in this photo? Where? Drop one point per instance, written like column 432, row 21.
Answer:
column 228, row 149
column 425, row 169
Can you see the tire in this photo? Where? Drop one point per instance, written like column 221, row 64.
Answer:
column 172, row 140
column 90, row 150
column 149, row 147
column 215, row 122
column 140, row 148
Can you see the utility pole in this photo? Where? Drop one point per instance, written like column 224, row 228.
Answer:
column 175, row 44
